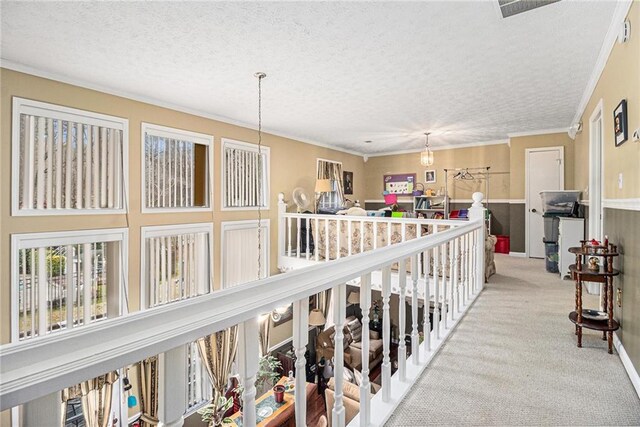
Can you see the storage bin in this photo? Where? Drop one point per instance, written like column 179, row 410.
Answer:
column 551, row 256
column 503, row 245
column 559, row 201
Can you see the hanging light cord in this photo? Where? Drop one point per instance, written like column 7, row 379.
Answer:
column 260, row 76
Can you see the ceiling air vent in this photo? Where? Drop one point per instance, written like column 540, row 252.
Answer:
column 514, row 7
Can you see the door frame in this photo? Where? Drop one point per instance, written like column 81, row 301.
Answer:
column 528, row 151
column 596, row 173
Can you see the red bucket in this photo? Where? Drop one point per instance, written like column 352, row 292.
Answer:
column 502, row 245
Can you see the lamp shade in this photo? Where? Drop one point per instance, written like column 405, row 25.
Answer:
column 316, row 318
column 323, row 185
column 353, row 298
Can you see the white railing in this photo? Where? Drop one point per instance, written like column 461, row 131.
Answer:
column 43, row 365
column 305, row 239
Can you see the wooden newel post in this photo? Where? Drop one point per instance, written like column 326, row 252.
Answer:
column 477, row 212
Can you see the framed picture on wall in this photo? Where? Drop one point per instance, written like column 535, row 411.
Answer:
column 430, row 176
column 347, row 182
column 620, row 123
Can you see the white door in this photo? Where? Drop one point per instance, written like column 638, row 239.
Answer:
column 544, row 171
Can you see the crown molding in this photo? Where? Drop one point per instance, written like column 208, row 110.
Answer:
column 441, row 148
column 619, row 15
column 538, row 132
column 14, row 66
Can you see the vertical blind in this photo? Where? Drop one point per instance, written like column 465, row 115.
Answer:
column 245, row 177
column 61, row 286
column 169, row 172
column 68, row 164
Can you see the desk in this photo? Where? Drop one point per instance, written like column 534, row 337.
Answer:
column 283, row 414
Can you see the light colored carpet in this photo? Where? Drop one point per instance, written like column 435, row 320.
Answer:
column 513, row 361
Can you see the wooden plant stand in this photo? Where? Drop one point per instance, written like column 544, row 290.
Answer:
column 581, row 273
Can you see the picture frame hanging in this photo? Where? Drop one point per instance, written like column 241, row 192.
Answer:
column 399, row 184
column 347, row 182
column 430, row 176
column 620, row 129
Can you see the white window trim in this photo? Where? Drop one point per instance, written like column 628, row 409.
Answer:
column 225, row 226
column 183, row 135
column 36, row 240
column 164, row 231
column 38, row 108
column 266, row 151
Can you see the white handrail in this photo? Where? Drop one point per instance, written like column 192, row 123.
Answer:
column 43, row 365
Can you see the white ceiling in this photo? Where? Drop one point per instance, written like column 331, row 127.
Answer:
column 338, row 73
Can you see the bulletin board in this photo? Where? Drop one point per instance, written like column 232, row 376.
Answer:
column 401, row 184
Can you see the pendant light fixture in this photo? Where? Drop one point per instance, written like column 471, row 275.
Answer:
column 426, row 156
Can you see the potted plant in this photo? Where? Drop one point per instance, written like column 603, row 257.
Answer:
column 214, row 414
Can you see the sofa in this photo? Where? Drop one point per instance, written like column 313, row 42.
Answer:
column 325, row 346
column 350, row 399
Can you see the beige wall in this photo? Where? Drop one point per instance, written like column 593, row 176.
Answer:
column 517, row 156
column 293, row 164
column 619, row 80
column 496, row 156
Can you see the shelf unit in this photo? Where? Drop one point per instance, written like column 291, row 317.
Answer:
column 441, row 201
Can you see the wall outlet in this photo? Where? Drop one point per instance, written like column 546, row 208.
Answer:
column 620, row 180
column 636, row 135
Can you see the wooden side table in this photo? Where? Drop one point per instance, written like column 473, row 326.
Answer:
column 605, row 274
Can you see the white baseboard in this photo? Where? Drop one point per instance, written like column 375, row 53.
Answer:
column 518, row 254
column 628, row 365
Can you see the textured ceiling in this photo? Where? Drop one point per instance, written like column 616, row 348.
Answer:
column 338, row 73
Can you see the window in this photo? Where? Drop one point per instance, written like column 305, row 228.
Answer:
column 175, row 262
column 67, row 160
column 327, row 169
column 175, row 266
column 245, row 175
column 239, row 245
column 177, row 169
column 65, row 280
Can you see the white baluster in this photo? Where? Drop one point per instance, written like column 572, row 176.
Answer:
column 456, row 288
column 326, row 240
column 436, row 289
column 172, row 387
column 386, row 334
column 315, row 240
column 248, row 360
column 445, row 286
column 349, row 237
column 307, row 223
column 300, row 340
column 337, row 241
column 339, row 314
column 375, row 234
column 361, row 236
column 402, row 319
column 298, row 237
column 365, row 386
column 415, row 271
column 426, row 321
column 289, row 236
column 452, row 283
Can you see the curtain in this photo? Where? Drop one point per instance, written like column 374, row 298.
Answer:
column 218, row 352
column 333, row 171
column 148, row 377
column 265, row 334
column 96, row 397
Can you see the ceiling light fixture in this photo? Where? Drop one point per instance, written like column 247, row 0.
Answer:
column 426, row 156
column 368, row 141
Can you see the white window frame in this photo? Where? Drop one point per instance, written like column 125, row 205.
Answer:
column 318, row 160
column 225, row 226
column 266, row 152
column 164, row 231
column 58, row 112
column 182, row 135
column 62, row 238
